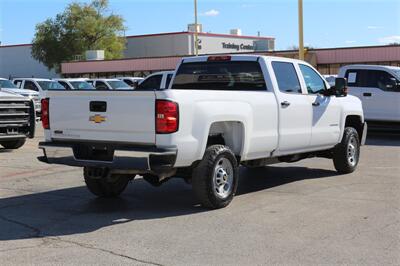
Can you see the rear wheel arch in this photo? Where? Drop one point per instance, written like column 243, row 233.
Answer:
column 229, row 133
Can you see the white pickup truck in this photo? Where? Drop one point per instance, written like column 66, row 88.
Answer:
column 218, row 112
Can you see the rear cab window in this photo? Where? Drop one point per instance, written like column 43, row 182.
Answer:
column 220, row 75
column 286, row 77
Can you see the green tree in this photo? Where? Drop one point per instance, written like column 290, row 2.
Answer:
column 79, row 28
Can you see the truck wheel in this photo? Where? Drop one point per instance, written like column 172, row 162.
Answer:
column 105, row 186
column 215, row 179
column 13, row 145
column 347, row 153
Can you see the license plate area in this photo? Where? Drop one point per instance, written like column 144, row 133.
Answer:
column 93, row 152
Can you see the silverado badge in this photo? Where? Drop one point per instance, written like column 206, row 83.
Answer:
column 97, row 119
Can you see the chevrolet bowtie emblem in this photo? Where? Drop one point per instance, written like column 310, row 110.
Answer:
column 97, row 119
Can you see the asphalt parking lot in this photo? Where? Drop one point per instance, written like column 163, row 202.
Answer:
column 301, row 213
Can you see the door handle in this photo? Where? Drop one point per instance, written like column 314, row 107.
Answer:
column 98, row 106
column 367, row 94
column 316, row 104
column 285, row 104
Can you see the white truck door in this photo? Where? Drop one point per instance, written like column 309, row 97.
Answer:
column 295, row 114
column 380, row 103
column 381, row 99
column 325, row 110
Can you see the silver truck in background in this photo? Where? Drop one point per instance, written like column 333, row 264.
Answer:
column 17, row 120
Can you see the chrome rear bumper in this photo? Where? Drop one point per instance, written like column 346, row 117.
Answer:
column 118, row 157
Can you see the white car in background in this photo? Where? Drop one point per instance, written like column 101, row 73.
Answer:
column 75, row 84
column 109, row 84
column 156, row 81
column 131, row 81
column 378, row 88
column 7, row 86
column 37, row 84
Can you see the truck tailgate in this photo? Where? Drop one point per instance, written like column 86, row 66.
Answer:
column 117, row 116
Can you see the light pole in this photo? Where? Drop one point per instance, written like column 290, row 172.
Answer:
column 301, row 40
column 196, row 33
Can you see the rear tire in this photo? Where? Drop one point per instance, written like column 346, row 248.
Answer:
column 106, row 185
column 13, row 145
column 215, row 179
column 346, row 154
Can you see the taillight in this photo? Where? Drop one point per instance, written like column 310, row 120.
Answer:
column 45, row 113
column 167, row 117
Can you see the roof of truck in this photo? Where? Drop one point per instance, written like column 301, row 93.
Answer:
column 241, row 57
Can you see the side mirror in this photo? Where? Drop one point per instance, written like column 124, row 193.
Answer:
column 340, row 88
column 392, row 85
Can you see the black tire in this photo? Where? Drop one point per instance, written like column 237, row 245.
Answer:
column 108, row 186
column 203, row 179
column 13, row 145
column 342, row 160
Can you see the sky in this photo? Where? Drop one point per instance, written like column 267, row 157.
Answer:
column 327, row 23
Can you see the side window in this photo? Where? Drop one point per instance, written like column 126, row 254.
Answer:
column 315, row 84
column 168, row 81
column 352, row 76
column 29, row 85
column 64, row 84
column 129, row 82
column 152, row 83
column 100, row 85
column 18, row 83
column 370, row 79
column 384, row 80
column 286, row 77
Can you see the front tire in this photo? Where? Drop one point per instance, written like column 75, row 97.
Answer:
column 215, row 179
column 346, row 154
column 13, row 145
column 104, row 185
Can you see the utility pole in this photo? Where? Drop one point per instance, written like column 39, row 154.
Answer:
column 196, row 33
column 301, row 40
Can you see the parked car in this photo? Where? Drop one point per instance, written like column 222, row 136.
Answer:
column 109, row 84
column 7, row 86
column 17, row 120
column 156, row 81
column 131, row 81
column 219, row 112
column 75, row 84
column 331, row 79
column 37, row 84
column 378, row 87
